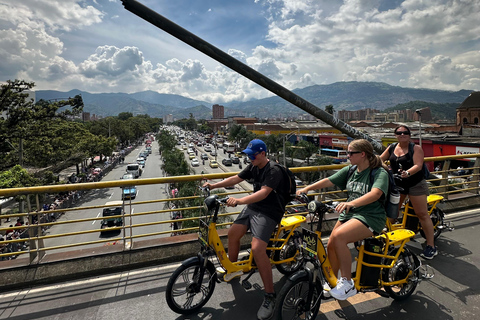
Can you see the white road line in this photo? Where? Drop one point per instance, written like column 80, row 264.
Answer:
column 98, row 215
column 111, row 195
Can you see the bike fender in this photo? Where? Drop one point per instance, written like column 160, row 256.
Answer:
column 300, row 274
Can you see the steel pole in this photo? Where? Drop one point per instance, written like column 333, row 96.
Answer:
column 234, row 64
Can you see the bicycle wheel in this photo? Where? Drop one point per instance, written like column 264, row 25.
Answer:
column 292, row 299
column 399, row 272
column 437, row 220
column 288, row 251
column 184, row 294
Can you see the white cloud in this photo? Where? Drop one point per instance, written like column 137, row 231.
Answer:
column 428, row 43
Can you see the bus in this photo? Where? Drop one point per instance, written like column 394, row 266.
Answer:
column 229, row 147
column 338, row 156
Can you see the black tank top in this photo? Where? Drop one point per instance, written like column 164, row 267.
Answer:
column 404, row 162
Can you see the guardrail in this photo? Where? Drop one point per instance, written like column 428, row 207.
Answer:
column 30, row 242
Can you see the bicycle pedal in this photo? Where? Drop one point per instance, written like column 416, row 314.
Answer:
column 246, row 285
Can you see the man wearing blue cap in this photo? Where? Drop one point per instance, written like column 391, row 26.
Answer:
column 264, row 210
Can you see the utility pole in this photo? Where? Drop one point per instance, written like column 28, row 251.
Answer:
column 419, row 112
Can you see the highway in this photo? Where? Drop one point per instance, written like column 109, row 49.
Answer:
column 140, row 294
column 144, row 193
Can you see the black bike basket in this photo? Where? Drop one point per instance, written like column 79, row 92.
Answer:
column 370, row 275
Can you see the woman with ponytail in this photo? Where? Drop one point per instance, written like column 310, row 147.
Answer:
column 361, row 216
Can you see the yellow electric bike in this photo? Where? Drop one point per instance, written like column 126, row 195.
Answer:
column 193, row 282
column 383, row 262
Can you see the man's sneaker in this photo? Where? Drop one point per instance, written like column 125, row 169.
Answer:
column 344, row 289
column 268, row 305
column 429, row 252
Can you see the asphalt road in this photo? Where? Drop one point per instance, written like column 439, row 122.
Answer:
column 140, row 294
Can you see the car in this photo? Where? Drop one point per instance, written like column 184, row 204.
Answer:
column 213, row 164
column 195, row 162
column 191, row 155
column 227, row 162
column 127, row 176
column 109, row 221
column 204, row 156
column 213, row 153
column 238, row 154
column 299, row 183
column 301, row 208
column 235, row 160
column 208, row 148
column 129, row 193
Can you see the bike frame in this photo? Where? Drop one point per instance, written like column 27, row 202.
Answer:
column 209, row 238
column 409, row 213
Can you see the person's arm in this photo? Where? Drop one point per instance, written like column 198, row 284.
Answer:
column 418, row 157
column 371, row 196
column 385, row 155
column 224, row 183
column 252, row 198
column 324, row 183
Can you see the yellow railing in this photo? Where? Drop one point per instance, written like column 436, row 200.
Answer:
column 37, row 236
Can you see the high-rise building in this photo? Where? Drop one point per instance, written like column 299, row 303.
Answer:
column 218, row 111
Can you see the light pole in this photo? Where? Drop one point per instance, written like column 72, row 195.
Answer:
column 419, row 112
column 284, row 141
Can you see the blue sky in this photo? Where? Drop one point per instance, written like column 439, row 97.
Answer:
column 98, row 46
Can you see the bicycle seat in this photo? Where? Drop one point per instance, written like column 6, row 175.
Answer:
column 293, row 220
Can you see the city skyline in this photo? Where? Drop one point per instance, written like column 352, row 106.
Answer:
column 98, row 46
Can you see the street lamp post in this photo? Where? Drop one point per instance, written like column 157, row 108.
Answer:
column 419, row 112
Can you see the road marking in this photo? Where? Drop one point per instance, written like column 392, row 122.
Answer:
column 111, row 195
column 98, row 215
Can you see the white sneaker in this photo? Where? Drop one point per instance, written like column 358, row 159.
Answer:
column 344, row 289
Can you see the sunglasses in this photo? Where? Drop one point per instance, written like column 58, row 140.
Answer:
column 350, row 153
column 405, row 133
column 253, row 156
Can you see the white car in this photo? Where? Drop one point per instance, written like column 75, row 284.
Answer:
column 195, row 162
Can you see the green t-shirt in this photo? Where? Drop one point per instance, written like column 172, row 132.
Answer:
column 372, row 214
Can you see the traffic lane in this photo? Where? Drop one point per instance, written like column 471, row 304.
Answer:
column 140, row 294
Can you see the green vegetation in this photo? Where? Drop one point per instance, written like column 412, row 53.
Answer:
column 50, row 134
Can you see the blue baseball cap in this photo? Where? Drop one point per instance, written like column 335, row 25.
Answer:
column 255, row 146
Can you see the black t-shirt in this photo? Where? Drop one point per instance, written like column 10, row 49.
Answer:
column 270, row 176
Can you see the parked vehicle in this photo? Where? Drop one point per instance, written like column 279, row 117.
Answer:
column 204, row 156
column 235, row 160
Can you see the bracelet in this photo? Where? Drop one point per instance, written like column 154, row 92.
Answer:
column 408, row 173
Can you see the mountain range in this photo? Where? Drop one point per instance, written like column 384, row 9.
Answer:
column 342, row 95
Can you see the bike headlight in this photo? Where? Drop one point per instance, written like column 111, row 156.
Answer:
column 209, row 202
column 312, row 206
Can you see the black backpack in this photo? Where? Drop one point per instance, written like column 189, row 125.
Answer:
column 288, row 189
column 411, row 145
column 391, row 199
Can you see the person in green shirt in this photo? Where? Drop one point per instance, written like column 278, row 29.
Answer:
column 361, row 216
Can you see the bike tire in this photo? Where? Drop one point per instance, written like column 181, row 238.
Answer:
column 437, row 217
column 398, row 272
column 182, row 293
column 289, row 250
column 291, row 299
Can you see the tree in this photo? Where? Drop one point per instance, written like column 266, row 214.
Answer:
column 329, row 109
column 304, row 150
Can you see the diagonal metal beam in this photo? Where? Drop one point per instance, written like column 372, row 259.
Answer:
column 238, row 66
